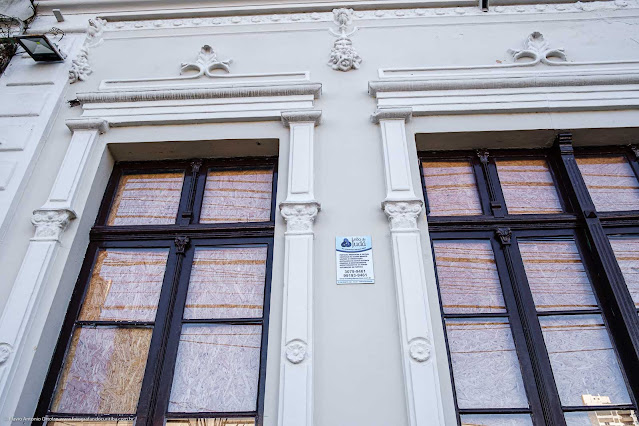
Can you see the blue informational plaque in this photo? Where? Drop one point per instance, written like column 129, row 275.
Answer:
column 354, row 260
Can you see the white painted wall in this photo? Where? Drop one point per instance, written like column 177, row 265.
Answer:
column 357, row 358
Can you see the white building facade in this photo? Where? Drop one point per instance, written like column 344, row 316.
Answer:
column 435, row 128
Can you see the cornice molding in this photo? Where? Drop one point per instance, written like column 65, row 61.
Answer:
column 371, row 10
column 185, row 94
column 399, row 113
column 88, row 123
column 302, row 116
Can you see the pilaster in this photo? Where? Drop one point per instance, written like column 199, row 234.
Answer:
column 403, row 208
column 28, row 292
column 299, row 210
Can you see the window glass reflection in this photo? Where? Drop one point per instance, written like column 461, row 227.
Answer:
column 611, row 182
column 627, row 254
column 528, row 186
column 496, row 420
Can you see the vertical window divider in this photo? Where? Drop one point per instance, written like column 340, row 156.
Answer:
column 620, row 313
column 187, row 213
column 547, row 393
column 496, row 204
column 150, row 393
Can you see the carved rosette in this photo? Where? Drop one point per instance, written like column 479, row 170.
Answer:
column 419, row 349
column 402, row 214
column 50, row 224
column 295, row 351
column 299, row 216
column 5, row 351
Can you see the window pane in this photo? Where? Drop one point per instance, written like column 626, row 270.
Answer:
column 556, row 275
column 496, row 420
column 147, row 199
column 125, row 285
column 627, row 254
column 217, row 368
column 611, row 182
column 467, row 275
column 103, row 371
column 451, row 188
column 582, row 358
column 601, row 418
column 528, row 187
column 227, row 283
column 485, row 364
column 211, row 422
column 237, row 196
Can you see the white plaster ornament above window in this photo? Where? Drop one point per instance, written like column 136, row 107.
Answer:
column 539, row 50
column 343, row 56
column 206, row 62
column 80, row 66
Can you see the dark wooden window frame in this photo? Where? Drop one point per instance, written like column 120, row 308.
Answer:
column 579, row 221
column 181, row 239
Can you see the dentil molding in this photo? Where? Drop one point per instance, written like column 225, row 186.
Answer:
column 50, row 224
column 299, row 216
column 402, row 214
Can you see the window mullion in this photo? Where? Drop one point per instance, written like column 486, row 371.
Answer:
column 540, row 386
column 497, row 204
column 152, row 392
column 610, row 285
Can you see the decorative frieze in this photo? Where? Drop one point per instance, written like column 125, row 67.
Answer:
column 381, row 14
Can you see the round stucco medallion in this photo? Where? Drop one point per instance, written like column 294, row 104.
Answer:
column 296, row 351
column 419, row 350
column 5, row 351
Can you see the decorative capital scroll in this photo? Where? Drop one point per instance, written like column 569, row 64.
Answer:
column 80, row 66
column 402, row 214
column 404, row 113
column 343, row 56
column 296, row 351
column 181, row 244
column 419, row 349
column 88, row 123
column 206, row 62
column 504, row 235
column 5, row 351
column 50, row 223
column 299, row 216
column 301, row 116
column 538, row 49
column 483, row 155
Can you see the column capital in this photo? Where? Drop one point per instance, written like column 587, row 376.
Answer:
column 402, row 214
column 301, row 116
column 398, row 113
column 88, row 123
column 50, row 223
column 299, row 216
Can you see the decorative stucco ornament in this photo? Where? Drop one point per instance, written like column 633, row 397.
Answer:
column 206, row 62
column 296, row 351
column 5, row 351
column 402, row 214
column 419, row 349
column 49, row 224
column 299, row 216
column 80, row 66
column 343, row 56
column 537, row 48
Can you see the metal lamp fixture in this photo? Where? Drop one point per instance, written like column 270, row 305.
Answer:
column 40, row 48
